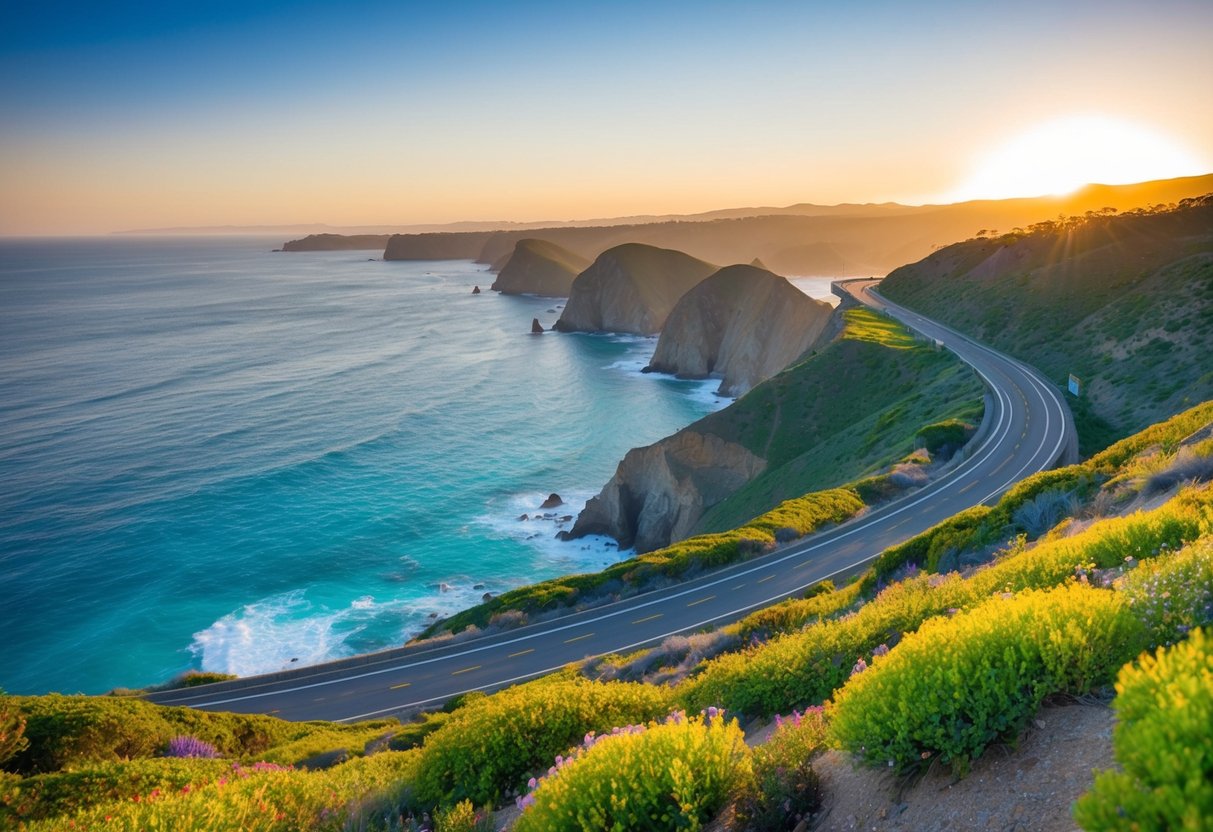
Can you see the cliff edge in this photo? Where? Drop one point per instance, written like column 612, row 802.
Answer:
column 538, row 267
column 630, row 288
column 743, row 324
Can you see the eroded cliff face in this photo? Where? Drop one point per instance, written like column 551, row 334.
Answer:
column 743, row 324
column 538, row 267
column 659, row 492
column 630, row 288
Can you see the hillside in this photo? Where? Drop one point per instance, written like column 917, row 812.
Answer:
column 337, row 242
column 1116, row 587
column 537, row 267
column 804, row 240
column 630, row 288
column 743, row 324
column 1125, row 303
column 851, row 408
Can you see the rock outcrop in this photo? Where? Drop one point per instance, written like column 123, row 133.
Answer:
column 538, row 267
column 536, row 327
column 743, row 324
column 631, row 288
column 659, row 492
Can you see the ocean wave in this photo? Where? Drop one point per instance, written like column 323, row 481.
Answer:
column 289, row 630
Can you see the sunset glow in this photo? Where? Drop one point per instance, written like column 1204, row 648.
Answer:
column 1060, row 156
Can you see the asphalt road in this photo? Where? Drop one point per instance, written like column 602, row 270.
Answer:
column 1027, row 428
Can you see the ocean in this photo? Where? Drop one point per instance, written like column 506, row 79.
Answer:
column 219, row 457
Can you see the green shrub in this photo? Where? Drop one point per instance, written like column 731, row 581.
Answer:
column 1103, row 545
column 950, row 433
column 260, row 798
column 323, row 741
column 794, row 613
column 12, row 730
column 785, row 789
column 1172, row 595
column 804, row 668
column 463, row 817
column 675, row 775
column 488, row 748
column 67, row 792
column 70, row 731
column 961, row 683
column 1164, row 743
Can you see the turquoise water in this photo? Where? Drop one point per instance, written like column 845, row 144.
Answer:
column 219, row 457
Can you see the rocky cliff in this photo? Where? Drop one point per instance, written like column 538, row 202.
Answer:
column 337, row 242
column 659, row 492
column 743, row 324
column 630, row 288
column 851, row 407
column 538, row 267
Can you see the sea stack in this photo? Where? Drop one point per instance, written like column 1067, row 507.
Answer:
column 538, row 267
column 536, row 327
column 630, row 288
column 743, row 324
column 475, row 290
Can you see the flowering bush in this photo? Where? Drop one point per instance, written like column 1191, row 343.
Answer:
column 1164, row 742
column 785, row 788
column 186, row 746
column 804, row 668
column 74, row 731
column 262, row 797
column 1173, row 595
column 794, row 613
column 463, row 817
column 67, row 792
column 671, row 775
column 960, row 683
column 488, row 748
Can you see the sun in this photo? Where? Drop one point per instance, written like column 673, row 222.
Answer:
column 1060, row 156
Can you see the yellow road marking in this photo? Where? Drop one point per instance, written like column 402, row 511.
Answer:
column 767, row 578
column 577, row 638
column 401, row 685
column 521, row 653
column 701, row 601
column 465, row 670
column 969, row 487
column 739, row 586
column 650, row 618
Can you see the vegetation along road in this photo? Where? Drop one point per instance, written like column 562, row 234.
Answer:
column 1027, row 428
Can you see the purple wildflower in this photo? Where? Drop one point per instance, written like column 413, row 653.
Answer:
column 187, row 746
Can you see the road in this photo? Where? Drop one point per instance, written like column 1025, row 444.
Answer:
column 1027, row 428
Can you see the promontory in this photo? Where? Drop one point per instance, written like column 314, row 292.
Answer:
column 631, row 288
column 538, row 267
column 743, row 324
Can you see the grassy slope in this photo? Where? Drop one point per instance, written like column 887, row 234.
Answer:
column 906, row 387
column 840, row 414
column 1124, row 303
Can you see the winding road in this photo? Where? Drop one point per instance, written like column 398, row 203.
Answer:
column 1027, row 428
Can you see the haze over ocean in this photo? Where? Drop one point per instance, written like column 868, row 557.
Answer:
column 219, row 457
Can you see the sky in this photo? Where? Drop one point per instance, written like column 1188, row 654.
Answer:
column 118, row 116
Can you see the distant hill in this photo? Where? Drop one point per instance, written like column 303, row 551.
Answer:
column 1125, row 303
column 630, row 288
column 537, row 267
column 742, row 324
column 841, row 240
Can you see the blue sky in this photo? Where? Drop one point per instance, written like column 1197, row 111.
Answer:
column 120, row 115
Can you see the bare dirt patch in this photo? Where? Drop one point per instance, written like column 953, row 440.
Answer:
column 1026, row 789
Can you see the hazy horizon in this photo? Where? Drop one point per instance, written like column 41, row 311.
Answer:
column 120, row 117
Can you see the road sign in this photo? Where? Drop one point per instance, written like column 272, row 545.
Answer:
column 1075, row 385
